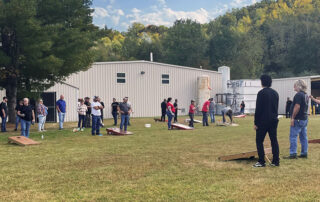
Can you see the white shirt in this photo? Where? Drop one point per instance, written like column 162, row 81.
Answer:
column 95, row 112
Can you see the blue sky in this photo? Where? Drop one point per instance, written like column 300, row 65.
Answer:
column 120, row 14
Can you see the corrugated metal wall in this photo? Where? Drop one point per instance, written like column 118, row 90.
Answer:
column 284, row 87
column 145, row 91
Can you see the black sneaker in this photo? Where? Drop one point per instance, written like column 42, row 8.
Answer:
column 305, row 156
column 292, row 156
column 258, row 165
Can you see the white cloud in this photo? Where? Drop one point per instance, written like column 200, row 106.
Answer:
column 100, row 12
column 115, row 19
column 120, row 12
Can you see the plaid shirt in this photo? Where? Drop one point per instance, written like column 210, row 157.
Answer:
column 82, row 109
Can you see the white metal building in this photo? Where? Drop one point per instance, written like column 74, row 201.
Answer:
column 145, row 83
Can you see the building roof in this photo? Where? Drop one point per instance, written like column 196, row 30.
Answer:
column 156, row 63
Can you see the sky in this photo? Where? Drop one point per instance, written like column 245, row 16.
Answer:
column 120, row 14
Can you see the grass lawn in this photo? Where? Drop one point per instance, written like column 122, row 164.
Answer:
column 155, row 165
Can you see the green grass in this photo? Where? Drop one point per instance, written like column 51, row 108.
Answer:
column 155, row 165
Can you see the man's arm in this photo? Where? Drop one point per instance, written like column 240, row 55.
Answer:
column 259, row 107
column 315, row 100
column 4, row 113
column 57, row 107
column 33, row 116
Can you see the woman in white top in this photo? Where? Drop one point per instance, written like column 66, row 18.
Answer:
column 82, row 109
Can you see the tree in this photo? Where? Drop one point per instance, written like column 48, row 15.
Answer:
column 43, row 42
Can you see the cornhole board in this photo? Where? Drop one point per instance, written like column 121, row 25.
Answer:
column 314, row 141
column 181, row 126
column 118, row 132
column 194, row 121
column 22, row 140
column 245, row 155
column 159, row 120
column 240, row 116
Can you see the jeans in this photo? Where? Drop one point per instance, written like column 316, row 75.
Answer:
column 170, row 117
column 82, row 118
column 242, row 111
column 191, row 120
column 261, row 133
column 42, row 120
column 212, row 116
column 95, row 125
column 18, row 120
column 3, row 123
column 61, row 119
column 299, row 128
column 115, row 118
column 25, row 127
column 205, row 118
column 124, row 122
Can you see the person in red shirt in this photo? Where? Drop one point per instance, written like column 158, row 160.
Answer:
column 192, row 110
column 205, row 110
column 170, row 112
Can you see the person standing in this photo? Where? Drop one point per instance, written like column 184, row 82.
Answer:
column 205, row 109
column 130, row 105
column 88, row 113
column 266, row 120
column 288, row 108
column 170, row 112
column 192, row 110
column 18, row 118
column 242, row 107
column 4, row 114
column 61, row 108
column 27, row 117
column 163, row 110
column 125, row 110
column 82, row 109
column 211, row 110
column 299, row 120
column 42, row 112
column 175, row 105
column 96, row 116
column 102, row 104
column 114, row 107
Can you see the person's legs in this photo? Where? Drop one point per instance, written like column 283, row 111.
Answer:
column 304, row 138
column 122, row 121
column 83, row 118
column 126, row 122
column 40, row 118
column 211, row 116
column 115, row 118
column 28, row 124
column 175, row 117
column 272, row 130
column 94, row 124
column 169, row 119
column 98, row 123
column 294, row 132
column 260, row 135
column 80, row 118
column 223, row 117
column 191, row 120
column 61, row 119
column 63, row 116
column 23, row 127
column 17, row 122
column 3, row 123
column 44, row 121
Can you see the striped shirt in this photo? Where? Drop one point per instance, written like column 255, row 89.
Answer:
column 82, row 109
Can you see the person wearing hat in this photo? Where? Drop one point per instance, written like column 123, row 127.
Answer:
column 4, row 114
column 192, row 110
column 96, row 116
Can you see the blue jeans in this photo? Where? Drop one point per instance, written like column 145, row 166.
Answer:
column 42, row 120
column 124, row 122
column 3, row 123
column 205, row 119
column 299, row 128
column 82, row 118
column 212, row 116
column 61, row 119
column 18, row 120
column 170, row 117
column 25, row 127
column 95, row 129
column 242, row 111
column 115, row 117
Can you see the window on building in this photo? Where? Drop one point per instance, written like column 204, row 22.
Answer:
column 165, row 79
column 121, row 77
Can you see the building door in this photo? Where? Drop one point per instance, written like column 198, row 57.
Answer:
column 49, row 100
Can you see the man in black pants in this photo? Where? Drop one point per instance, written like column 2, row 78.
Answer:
column 288, row 107
column 266, row 120
column 163, row 110
column 175, row 105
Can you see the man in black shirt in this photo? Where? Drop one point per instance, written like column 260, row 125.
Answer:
column 4, row 114
column 114, row 107
column 88, row 113
column 163, row 110
column 299, row 120
column 266, row 120
column 26, row 113
column 18, row 118
column 288, row 107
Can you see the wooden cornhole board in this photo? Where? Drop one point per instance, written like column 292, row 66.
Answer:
column 194, row 121
column 314, row 141
column 117, row 132
column 227, row 124
column 245, row 155
column 22, row 140
column 240, row 116
column 181, row 126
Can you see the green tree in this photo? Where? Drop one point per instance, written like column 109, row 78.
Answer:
column 43, row 42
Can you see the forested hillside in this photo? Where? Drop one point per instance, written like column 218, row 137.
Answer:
column 280, row 37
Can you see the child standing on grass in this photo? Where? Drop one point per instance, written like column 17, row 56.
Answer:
column 82, row 109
